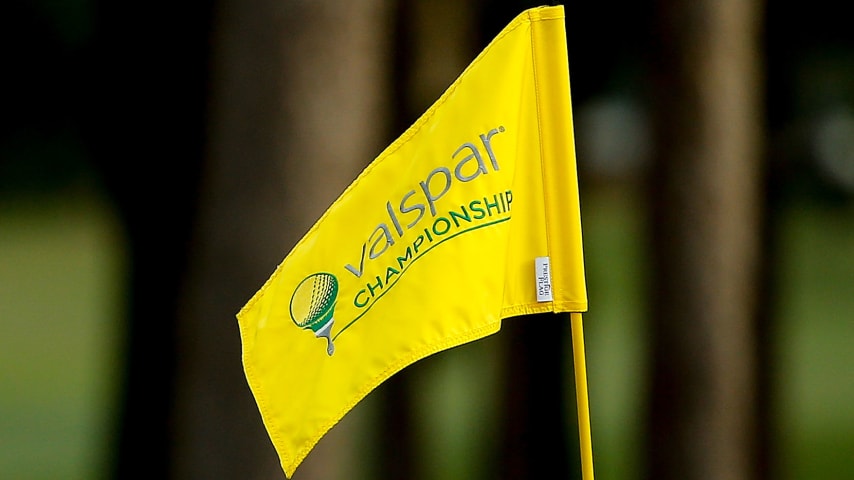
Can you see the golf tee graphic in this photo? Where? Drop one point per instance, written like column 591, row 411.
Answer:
column 313, row 304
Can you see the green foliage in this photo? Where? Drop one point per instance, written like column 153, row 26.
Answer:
column 59, row 319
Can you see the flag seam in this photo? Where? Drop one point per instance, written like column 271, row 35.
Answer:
column 535, row 74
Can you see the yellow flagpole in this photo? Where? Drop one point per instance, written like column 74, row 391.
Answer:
column 581, row 397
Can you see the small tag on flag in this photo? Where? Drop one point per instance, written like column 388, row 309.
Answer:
column 544, row 279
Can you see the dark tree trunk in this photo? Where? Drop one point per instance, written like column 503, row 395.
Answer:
column 537, row 409
column 705, row 192
column 434, row 41
column 295, row 105
column 144, row 122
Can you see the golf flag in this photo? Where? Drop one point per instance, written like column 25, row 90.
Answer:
column 470, row 217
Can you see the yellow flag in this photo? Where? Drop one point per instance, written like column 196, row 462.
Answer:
column 471, row 216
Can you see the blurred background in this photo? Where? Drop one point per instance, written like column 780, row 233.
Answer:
column 158, row 160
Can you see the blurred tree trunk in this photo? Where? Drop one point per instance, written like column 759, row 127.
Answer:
column 144, row 123
column 434, row 41
column 296, row 100
column 536, row 408
column 706, row 196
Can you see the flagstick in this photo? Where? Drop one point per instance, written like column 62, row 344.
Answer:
column 581, row 397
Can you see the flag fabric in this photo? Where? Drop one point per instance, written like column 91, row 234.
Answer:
column 470, row 217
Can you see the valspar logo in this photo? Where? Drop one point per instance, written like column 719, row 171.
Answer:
column 414, row 224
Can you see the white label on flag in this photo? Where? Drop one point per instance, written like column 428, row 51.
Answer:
column 544, row 279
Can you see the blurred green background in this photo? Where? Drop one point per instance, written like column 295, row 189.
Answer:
column 61, row 259
column 64, row 261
